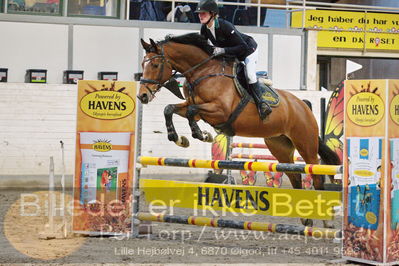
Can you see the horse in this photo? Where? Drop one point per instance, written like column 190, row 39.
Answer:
column 210, row 94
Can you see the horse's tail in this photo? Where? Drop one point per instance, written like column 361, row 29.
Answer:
column 308, row 103
column 327, row 155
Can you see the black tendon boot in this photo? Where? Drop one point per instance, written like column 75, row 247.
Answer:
column 264, row 108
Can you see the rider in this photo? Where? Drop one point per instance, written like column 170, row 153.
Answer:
column 228, row 40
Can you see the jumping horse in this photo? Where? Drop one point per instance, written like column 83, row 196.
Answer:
column 211, row 95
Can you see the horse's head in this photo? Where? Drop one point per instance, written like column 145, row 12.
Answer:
column 157, row 71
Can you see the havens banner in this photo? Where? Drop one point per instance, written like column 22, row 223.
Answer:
column 105, row 151
column 382, row 30
column 371, row 171
column 244, row 200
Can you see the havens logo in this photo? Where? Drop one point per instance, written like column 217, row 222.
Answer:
column 107, row 105
column 233, row 198
column 364, row 152
column 363, row 173
column 365, row 109
column 394, row 109
column 102, row 145
column 371, row 218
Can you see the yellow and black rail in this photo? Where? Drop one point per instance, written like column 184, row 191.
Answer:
column 243, row 165
column 243, row 225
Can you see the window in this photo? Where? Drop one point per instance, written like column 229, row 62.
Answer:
column 1, row 6
column 42, row 7
column 100, row 8
column 332, row 70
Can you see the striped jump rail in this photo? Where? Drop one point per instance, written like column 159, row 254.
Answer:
column 242, row 225
column 259, row 157
column 242, row 165
column 248, row 145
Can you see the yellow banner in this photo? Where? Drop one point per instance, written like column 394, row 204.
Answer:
column 240, row 199
column 365, row 164
column 105, row 152
column 393, row 168
column 382, row 30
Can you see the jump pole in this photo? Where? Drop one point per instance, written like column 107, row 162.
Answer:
column 248, row 145
column 259, row 157
column 242, row 165
column 243, row 225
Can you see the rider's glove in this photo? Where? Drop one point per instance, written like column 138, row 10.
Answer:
column 218, row 51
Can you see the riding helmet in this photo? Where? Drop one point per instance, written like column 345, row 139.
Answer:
column 207, row 6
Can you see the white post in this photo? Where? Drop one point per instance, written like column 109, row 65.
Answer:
column 63, row 213
column 51, row 195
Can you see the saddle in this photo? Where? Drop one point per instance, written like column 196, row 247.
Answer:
column 241, row 84
column 240, row 80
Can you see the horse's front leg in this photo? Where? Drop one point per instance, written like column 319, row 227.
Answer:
column 192, row 112
column 181, row 110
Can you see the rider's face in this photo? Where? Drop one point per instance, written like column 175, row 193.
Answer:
column 204, row 17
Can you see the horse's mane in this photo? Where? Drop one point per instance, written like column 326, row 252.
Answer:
column 191, row 38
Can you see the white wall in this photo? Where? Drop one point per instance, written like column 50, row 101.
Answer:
column 311, row 63
column 110, row 49
column 159, row 34
column 263, row 47
column 286, row 62
column 33, row 46
column 34, row 118
column 95, row 48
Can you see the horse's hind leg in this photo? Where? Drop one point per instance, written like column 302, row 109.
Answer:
column 309, row 152
column 283, row 149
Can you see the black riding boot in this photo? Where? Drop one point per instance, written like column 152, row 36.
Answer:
column 264, row 108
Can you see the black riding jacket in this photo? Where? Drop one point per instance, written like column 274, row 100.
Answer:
column 228, row 37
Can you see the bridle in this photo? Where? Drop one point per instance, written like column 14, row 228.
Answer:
column 164, row 60
column 157, row 81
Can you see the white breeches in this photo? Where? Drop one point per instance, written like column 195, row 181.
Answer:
column 250, row 63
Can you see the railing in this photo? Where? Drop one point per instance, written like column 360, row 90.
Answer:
column 292, row 6
column 288, row 6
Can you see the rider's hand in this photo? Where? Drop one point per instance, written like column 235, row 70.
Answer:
column 218, row 51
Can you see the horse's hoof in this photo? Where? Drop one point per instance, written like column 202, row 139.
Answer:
column 307, row 222
column 182, row 142
column 207, row 136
